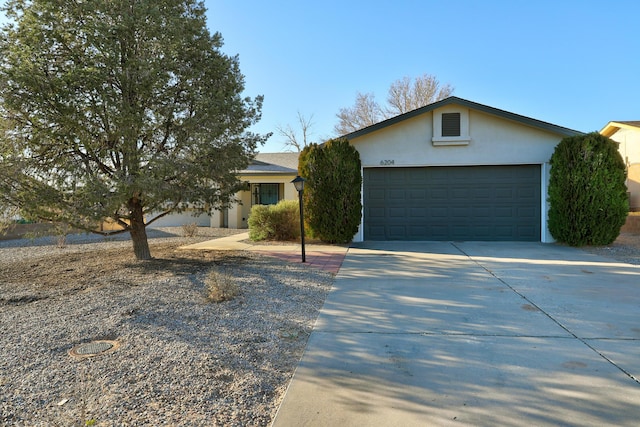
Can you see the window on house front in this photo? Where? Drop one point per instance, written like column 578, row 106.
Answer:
column 265, row 194
column 450, row 124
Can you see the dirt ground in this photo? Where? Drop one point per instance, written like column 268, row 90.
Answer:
column 63, row 272
column 220, row 364
column 73, row 272
column 626, row 248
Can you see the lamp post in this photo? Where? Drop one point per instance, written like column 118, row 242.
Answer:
column 298, row 182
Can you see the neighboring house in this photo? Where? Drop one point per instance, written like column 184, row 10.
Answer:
column 268, row 180
column 627, row 134
column 456, row 170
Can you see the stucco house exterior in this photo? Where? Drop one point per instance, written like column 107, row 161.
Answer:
column 268, row 180
column 627, row 135
column 456, row 170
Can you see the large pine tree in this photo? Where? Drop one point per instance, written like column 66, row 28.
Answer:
column 121, row 109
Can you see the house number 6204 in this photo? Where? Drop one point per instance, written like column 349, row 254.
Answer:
column 386, row 162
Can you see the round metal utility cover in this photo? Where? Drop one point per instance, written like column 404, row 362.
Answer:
column 93, row 348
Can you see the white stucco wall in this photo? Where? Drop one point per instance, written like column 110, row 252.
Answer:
column 179, row 219
column 629, row 140
column 238, row 214
column 492, row 140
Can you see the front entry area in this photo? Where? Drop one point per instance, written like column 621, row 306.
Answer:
column 453, row 203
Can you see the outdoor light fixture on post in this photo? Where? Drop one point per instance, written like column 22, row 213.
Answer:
column 298, row 182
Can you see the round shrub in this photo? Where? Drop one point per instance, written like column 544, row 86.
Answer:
column 275, row 222
column 587, row 193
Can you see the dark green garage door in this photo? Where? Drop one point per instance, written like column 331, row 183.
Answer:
column 452, row 203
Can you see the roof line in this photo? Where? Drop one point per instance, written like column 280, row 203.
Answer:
column 612, row 127
column 469, row 104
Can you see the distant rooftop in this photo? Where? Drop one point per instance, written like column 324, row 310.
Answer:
column 273, row 163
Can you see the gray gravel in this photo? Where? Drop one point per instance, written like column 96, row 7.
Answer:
column 182, row 360
column 625, row 249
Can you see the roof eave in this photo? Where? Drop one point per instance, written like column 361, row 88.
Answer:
column 613, row 127
column 469, row 104
column 254, row 173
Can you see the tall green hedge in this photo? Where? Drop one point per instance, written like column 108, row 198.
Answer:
column 587, row 193
column 332, row 195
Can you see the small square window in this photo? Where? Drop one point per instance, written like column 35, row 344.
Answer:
column 450, row 124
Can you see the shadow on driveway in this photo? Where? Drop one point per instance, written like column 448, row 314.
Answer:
column 473, row 333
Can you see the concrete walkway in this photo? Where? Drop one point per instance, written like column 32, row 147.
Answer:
column 325, row 257
column 482, row 334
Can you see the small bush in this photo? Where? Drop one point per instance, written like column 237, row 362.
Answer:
column 221, row 287
column 190, row 230
column 59, row 234
column 275, row 222
column 588, row 201
column 61, row 241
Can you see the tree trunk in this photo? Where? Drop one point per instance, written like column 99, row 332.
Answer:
column 138, row 230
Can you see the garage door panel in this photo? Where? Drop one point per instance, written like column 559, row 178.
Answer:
column 417, row 212
column 437, row 194
column 415, row 174
column 527, row 191
column 505, row 212
column 480, row 212
column 453, row 203
column 458, row 193
column 420, row 230
column 482, row 232
column 377, row 233
column 396, row 232
column 376, row 213
column 528, row 232
column 437, row 212
column 397, row 195
column 482, row 194
column 502, row 192
column 377, row 194
column 504, row 232
column 394, row 213
column 417, row 196
column 527, row 213
column 461, row 213
column 438, row 232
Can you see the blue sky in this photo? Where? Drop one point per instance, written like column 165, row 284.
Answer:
column 572, row 63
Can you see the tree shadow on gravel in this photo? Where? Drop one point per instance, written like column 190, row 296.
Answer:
column 237, row 355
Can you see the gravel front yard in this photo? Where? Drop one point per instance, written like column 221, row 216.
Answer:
column 179, row 358
column 626, row 248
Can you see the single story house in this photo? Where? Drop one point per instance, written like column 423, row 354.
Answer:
column 456, row 170
column 627, row 135
column 268, row 180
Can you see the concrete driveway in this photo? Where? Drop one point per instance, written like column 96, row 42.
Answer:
column 483, row 334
